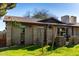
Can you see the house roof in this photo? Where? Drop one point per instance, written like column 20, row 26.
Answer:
column 20, row 19
column 23, row 19
column 49, row 21
column 77, row 24
column 31, row 20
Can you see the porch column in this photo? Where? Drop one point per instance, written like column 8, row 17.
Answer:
column 54, row 34
column 8, row 34
column 45, row 35
column 54, row 31
column 34, row 34
column 27, row 35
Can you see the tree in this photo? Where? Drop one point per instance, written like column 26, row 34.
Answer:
column 42, row 14
column 4, row 7
column 27, row 14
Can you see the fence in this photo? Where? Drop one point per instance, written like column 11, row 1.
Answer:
column 2, row 39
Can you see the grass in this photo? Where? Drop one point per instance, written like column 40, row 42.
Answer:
column 35, row 50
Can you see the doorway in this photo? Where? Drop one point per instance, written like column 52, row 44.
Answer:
column 22, row 41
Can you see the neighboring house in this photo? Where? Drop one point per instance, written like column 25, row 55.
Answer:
column 37, row 31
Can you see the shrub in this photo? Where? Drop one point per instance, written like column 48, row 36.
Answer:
column 73, row 40
column 60, row 41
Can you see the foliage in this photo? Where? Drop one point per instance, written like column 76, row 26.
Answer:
column 42, row 14
column 18, row 25
column 27, row 14
column 2, row 12
column 4, row 7
column 73, row 40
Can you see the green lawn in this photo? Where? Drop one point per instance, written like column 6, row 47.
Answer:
column 35, row 50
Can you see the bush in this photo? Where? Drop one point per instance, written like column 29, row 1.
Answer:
column 60, row 41
column 73, row 40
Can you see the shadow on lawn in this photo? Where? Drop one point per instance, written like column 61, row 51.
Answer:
column 50, row 48
column 23, row 47
column 32, row 48
column 70, row 46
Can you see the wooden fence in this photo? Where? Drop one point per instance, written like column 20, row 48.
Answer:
column 2, row 39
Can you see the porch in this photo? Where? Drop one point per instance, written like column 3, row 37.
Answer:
column 40, row 33
column 47, row 34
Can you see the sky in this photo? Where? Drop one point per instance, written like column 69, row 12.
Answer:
column 57, row 9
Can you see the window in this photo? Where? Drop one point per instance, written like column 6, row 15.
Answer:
column 61, row 31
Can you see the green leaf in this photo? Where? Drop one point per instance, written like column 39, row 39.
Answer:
column 3, row 6
column 2, row 12
column 11, row 5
